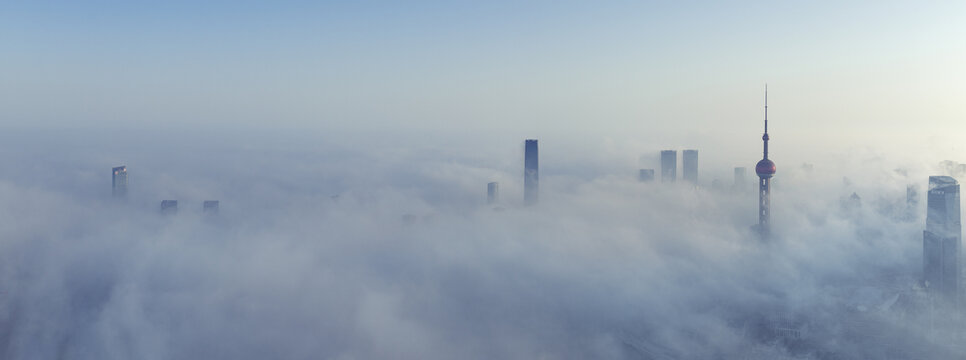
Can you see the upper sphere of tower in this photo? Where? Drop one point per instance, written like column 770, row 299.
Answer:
column 765, row 168
column 765, row 137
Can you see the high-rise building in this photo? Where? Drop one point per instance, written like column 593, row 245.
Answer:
column 210, row 207
column 941, row 239
column 765, row 170
column 492, row 192
column 669, row 165
column 531, row 173
column 169, row 207
column 689, row 163
column 741, row 183
column 119, row 181
column 646, row 175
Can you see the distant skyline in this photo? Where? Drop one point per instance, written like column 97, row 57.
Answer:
column 681, row 75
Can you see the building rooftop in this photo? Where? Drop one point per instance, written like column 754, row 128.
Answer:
column 941, row 181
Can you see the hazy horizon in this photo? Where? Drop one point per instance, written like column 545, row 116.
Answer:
column 350, row 146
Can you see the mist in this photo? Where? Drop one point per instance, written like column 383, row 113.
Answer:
column 338, row 249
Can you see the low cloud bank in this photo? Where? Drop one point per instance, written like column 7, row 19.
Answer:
column 343, row 253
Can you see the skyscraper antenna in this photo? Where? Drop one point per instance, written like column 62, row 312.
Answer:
column 766, row 108
column 764, row 137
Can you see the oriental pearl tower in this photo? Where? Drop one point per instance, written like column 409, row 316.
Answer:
column 765, row 169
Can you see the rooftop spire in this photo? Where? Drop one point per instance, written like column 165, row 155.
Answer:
column 765, row 136
column 766, row 108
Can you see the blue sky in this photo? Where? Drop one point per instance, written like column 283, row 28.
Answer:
column 668, row 72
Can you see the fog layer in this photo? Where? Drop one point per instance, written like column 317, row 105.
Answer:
column 386, row 252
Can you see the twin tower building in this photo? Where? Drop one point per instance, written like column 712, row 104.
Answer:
column 669, row 167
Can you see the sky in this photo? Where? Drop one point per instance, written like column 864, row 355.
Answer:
column 350, row 145
column 651, row 71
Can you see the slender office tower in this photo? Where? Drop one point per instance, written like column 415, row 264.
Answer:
column 492, row 192
column 169, row 207
column 210, row 207
column 119, row 181
column 531, row 173
column 669, row 165
column 942, row 238
column 740, row 182
column 765, row 169
column 689, row 160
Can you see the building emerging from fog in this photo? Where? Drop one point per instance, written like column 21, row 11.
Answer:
column 492, row 192
column 740, row 180
column 531, row 173
column 941, row 239
column 169, row 207
column 646, row 175
column 689, row 163
column 765, row 170
column 210, row 207
column 119, row 181
column 669, row 165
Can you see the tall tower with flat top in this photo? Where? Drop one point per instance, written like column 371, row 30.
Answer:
column 669, row 165
column 941, row 239
column 531, row 173
column 119, row 181
column 689, row 159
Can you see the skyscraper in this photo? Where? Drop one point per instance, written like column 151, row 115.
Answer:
column 531, row 173
column 740, row 181
column 941, row 239
column 765, row 170
column 119, row 181
column 689, row 160
column 492, row 192
column 646, row 175
column 210, row 207
column 669, row 165
column 169, row 207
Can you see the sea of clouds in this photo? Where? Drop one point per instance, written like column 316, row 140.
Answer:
column 362, row 250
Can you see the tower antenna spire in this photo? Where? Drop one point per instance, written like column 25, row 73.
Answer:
column 766, row 108
column 764, row 138
column 765, row 169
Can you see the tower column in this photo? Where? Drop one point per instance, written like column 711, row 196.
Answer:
column 764, row 202
column 765, row 170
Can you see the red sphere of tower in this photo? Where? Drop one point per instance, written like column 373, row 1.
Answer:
column 765, row 168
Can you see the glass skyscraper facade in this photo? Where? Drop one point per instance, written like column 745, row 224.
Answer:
column 941, row 239
column 689, row 163
column 531, row 173
column 492, row 192
column 669, row 165
column 119, row 181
